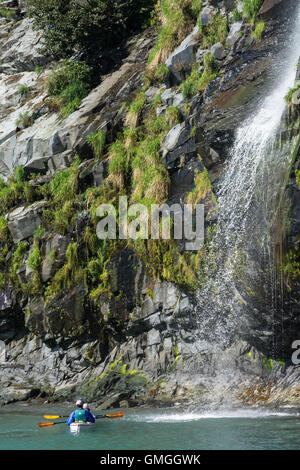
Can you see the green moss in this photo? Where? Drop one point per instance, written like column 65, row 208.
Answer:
column 236, row 16
column 160, row 74
column 69, row 83
column 257, row 33
column 176, row 17
column 216, row 31
column 39, row 233
column 69, row 275
column 197, row 82
column 64, row 185
column 251, row 9
column 6, row 13
column 3, row 281
column 291, row 265
column 289, row 95
column 35, row 259
column 150, row 293
column 17, row 260
column 268, row 364
column 297, row 174
column 3, row 230
column 96, row 140
column 202, row 188
column 29, row 192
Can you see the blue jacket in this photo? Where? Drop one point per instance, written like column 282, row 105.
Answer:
column 88, row 415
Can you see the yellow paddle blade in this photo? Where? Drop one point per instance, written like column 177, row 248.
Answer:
column 116, row 415
column 52, row 416
column 45, row 425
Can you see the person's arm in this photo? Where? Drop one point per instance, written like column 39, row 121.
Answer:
column 71, row 418
column 89, row 416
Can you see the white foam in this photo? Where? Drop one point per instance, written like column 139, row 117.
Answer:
column 167, row 417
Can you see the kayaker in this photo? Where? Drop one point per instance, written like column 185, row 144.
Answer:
column 85, row 406
column 80, row 415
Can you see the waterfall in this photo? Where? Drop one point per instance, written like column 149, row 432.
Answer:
column 239, row 296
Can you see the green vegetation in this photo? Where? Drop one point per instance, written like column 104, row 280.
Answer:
column 63, row 193
column 291, row 266
column 39, row 70
column 176, row 18
column 289, row 95
column 16, row 191
column 68, row 275
column 236, row 16
column 216, row 31
column 69, row 83
column 35, row 259
column 24, row 91
column 251, row 8
column 25, row 119
column 257, row 33
column 96, row 140
column 134, row 160
column 160, row 74
column 197, row 82
column 73, row 25
column 39, row 233
column 3, row 229
column 17, row 260
column 202, row 188
column 6, row 13
column 297, row 174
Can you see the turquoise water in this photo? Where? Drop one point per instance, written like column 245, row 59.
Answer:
column 156, row 429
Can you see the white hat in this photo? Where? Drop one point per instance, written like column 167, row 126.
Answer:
column 85, row 406
column 79, row 403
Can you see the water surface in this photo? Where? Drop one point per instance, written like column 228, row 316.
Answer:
column 159, row 429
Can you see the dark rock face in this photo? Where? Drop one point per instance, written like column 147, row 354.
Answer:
column 141, row 341
column 268, row 5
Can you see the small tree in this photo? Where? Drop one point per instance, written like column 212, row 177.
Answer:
column 76, row 25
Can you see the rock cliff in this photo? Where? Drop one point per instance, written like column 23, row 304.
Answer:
column 117, row 322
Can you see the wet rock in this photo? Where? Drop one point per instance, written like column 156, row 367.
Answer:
column 207, row 16
column 63, row 317
column 180, row 61
column 37, row 165
column 151, row 93
column 182, row 180
column 296, row 98
column 178, row 146
column 268, row 5
column 200, row 54
column 23, row 221
column 234, row 34
column 54, row 251
column 91, row 173
column 21, row 48
column 298, row 71
column 171, row 98
column 56, row 145
column 6, row 299
column 218, row 51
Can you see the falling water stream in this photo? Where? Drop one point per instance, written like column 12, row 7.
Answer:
column 242, row 265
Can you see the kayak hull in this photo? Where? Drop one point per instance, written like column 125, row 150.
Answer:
column 77, row 427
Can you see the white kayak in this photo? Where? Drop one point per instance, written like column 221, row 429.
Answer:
column 76, row 427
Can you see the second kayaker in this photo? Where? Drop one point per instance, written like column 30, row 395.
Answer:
column 80, row 415
column 86, row 407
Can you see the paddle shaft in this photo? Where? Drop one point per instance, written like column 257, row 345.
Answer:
column 112, row 416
